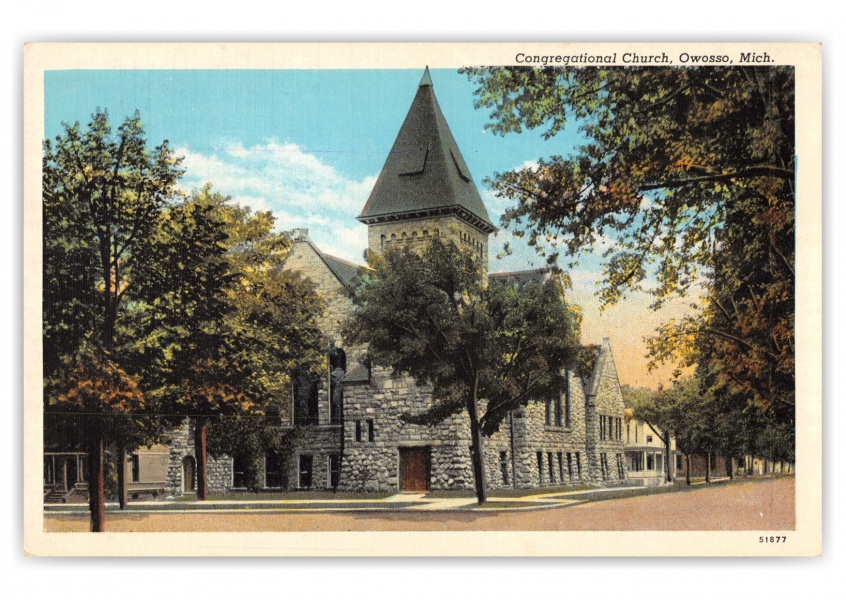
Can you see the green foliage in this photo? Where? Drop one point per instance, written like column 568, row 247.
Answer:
column 689, row 172
column 435, row 318
column 158, row 307
column 103, row 191
column 220, row 326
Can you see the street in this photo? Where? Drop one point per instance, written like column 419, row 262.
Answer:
column 766, row 505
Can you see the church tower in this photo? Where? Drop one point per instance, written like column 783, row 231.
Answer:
column 425, row 189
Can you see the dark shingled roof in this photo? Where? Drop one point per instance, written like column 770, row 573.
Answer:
column 425, row 172
column 523, row 277
column 345, row 271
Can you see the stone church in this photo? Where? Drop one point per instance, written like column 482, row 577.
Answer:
column 344, row 429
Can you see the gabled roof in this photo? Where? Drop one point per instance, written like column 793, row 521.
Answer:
column 345, row 271
column 603, row 359
column 425, row 172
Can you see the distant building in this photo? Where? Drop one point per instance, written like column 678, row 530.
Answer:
column 646, row 453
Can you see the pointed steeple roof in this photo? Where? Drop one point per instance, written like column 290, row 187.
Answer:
column 425, row 173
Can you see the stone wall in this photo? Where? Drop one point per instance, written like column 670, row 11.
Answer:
column 182, row 445
column 605, row 399
column 532, row 434
column 319, row 442
column 374, row 465
column 305, row 258
column 416, row 233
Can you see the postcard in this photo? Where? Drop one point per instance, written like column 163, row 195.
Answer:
column 513, row 299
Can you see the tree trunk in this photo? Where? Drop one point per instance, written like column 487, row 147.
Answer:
column 121, row 473
column 668, row 466
column 477, row 452
column 707, row 467
column 730, row 467
column 687, row 475
column 201, row 428
column 96, row 483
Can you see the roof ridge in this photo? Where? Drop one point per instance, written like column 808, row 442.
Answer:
column 341, row 260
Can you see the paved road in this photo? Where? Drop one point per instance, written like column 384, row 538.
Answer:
column 765, row 505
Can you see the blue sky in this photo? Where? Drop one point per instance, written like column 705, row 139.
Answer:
column 309, row 144
column 306, row 144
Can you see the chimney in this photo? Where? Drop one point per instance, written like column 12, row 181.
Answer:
column 299, row 235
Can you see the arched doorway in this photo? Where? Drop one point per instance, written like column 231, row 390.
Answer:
column 189, row 472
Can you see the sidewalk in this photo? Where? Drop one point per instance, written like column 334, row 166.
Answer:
column 400, row 501
column 404, row 501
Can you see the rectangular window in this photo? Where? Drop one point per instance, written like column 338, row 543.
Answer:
column 337, row 372
column 305, row 398
column 650, row 461
column 273, row 470
column 550, row 469
column 635, row 461
column 579, row 465
column 558, row 411
column 136, row 468
column 603, row 463
column 549, row 410
column 570, row 466
column 621, row 474
column 503, row 467
column 334, row 471
column 49, row 470
column 560, row 467
column 649, row 439
column 305, row 471
column 371, row 432
column 601, row 427
column 358, row 431
column 239, row 472
column 336, row 398
column 567, row 402
column 540, row 468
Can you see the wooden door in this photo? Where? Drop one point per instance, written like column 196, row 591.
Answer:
column 415, row 464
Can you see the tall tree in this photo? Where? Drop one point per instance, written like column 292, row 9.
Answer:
column 102, row 191
column 433, row 316
column 690, row 173
column 221, row 325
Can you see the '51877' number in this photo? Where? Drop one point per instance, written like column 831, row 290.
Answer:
column 772, row 539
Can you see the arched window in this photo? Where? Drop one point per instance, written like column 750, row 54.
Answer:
column 337, row 372
column 305, row 397
column 189, row 475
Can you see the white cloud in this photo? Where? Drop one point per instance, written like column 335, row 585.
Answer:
column 299, row 188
